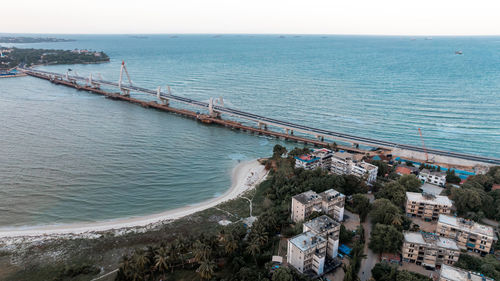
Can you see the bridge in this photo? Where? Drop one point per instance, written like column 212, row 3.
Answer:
column 216, row 108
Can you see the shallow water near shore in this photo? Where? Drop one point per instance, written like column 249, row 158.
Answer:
column 68, row 156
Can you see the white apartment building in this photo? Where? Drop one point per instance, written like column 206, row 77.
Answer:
column 307, row 252
column 330, row 202
column 325, row 157
column 468, row 234
column 343, row 163
column 451, row 273
column 437, row 178
column 327, row 228
column 307, row 162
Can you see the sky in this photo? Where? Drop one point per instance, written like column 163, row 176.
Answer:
column 374, row 17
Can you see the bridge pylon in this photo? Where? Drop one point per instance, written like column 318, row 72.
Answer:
column 163, row 100
column 123, row 68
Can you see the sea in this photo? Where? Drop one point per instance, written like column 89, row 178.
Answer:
column 68, row 156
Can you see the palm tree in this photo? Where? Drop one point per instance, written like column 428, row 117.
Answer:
column 201, row 251
column 161, row 260
column 253, row 249
column 126, row 266
column 141, row 261
column 230, row 245
column 206, row 269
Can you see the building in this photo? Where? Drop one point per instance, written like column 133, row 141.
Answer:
column 343, row 163
column 304, row 204
column 327, row 228
column 468, row 234
column 330, row 202
column 307, row 162
column 325, row 157
column 427, row 206
column 437, row 178
column 451, row 273
column 307, row 252
column 429, row 250
column 363, row 169
column 406, row 170
column 495, row 187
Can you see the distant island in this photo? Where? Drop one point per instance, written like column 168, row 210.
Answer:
column 10, row 39
column 13, row 57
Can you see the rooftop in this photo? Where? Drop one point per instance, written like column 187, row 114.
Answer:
column 306, row 197
column 367, row 166
column 457, row 274
column 307, row 158
column 467, row 225
column 306, row 240
column 343, row 155
column 434, row 173
column 321, row 224
column 323, row 152
column 430, row 240
column 403, row 170
column 429, row 199
column 330, row 194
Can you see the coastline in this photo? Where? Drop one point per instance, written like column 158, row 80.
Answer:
column 245, row 176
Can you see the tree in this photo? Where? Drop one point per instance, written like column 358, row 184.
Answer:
column 253, row 249
column 278, row 151
column 383, row 211
column 466, row 200
column 393, row 191
column 206, row 269
column 385, row 238
column 410, row 183
column 383, row 168
column 451, row 177
column 345, row 235
column 282, row 274
column 161, row 260
column 361, row 205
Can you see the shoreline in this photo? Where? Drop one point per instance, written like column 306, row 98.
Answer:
column 245, row 176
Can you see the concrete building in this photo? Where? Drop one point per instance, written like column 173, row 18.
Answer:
column 363, row 169
column 307, row 162
column 305, row 204
column 427, row 206
column 325, row 157
column 437, row 178
column 327, row 228
column 429, row 250
column 451, row 273
column 343, row 163
column 468, row 234
column 307, row 252
column 330, row 202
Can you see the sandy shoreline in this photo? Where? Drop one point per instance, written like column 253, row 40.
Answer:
column 245, row 176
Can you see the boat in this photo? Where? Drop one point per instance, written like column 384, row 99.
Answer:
column 459, row 52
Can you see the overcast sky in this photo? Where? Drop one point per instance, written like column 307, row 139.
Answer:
column 391, row 17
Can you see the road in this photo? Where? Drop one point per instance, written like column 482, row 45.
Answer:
column 365, row 271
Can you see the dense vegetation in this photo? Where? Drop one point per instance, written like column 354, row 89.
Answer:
column 387, row 272
column 31, row 57
column 488, row 265
column 476, row 199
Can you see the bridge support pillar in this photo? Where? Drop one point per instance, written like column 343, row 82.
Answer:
column 163, row 100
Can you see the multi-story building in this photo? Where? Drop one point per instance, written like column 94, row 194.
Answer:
column 327, row 228
column 330, row 202
column 304, row 204
column 451, row 273
column 307, row 252
column 437, row 178
column 427, row 206
column 363, row 169
column 307, row 162
column 325, row 157
column 429, row 250
column 343, row 163
column 468, row 234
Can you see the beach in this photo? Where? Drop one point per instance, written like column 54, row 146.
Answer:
column 245, row 176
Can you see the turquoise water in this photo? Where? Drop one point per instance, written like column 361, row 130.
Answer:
column 72, row 156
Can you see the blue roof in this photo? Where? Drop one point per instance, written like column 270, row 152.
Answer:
column 344, row 249
column 376, row 157
column 307, row 161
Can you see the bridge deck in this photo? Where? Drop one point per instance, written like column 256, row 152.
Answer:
column 319, row 134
